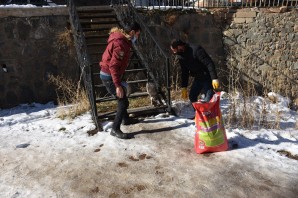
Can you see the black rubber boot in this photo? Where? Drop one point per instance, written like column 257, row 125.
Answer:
column 119, row 134
column 129, row 121
column 121, row 112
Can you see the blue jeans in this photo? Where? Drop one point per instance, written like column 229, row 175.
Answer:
column 122, row 105
column 201, row 86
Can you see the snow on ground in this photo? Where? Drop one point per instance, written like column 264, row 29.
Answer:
column 44, row 156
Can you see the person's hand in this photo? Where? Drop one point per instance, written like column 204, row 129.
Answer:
column 119, row 92
column 184, row 93
column 215, row 83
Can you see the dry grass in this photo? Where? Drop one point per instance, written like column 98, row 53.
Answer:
column 104, row 107
column 64, row 41
column 139, row 102
column 171, row 19
column 241, row 111
column 109, row 106
column 71, row 94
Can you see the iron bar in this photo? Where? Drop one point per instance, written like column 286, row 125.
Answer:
column 162, row 4
column 83, row 59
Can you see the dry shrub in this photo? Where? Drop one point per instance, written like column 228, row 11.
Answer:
column 71, row 94
column 171, row 19
column 65, row 41
column 263, row 119
column 176, row 95
column 276, row 124
column 241, row 109
column 169, row 16
column 139, row 102
column 110, row 106
column 104, row 107
column 232, row 116
column 241, row 78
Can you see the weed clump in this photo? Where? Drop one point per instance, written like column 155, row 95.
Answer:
column 71, row 96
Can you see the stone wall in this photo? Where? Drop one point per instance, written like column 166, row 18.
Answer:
column 257, row 45
column 262, row 46
column 30, row 50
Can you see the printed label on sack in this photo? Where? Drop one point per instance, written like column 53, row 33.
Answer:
column 206, row 113
column 201, row 145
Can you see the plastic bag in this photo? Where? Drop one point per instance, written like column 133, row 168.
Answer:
column 210, row 133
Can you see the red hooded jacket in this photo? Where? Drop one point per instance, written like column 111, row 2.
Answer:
column 116, row 55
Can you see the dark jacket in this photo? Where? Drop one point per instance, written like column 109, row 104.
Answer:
column 116, row 55
column 197, row 63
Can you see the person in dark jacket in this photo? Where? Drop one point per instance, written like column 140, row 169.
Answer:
column 195, row 62
column 112, row 67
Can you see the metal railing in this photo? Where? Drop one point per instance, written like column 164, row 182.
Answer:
column 167, row 4
column 83, row 59
column 148, row 49
column 196, row 4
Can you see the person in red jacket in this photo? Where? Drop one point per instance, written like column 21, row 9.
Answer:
column 112, row 67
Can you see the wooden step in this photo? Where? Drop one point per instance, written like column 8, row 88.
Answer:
column 96, row 44
column 97, row 16
column 128, row 82
column 140, row 111
column 83, row 9
column 95, row 53
column 96, row 29
column 128, row 70
column 96, row 62
column 99, row 22
column 59, row 2
column 134, row 59
column 133, row 95
column 135, row 70
column 96, row 36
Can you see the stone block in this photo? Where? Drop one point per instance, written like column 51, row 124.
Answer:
column 296, row 66
column 295, row 28
column 239, row 20
column 249, row 20
column 250, row 14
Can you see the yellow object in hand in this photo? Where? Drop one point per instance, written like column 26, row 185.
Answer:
column 184, row 93
column 215, row 83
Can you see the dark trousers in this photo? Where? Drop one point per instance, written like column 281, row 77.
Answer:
column 122, row 106
column 203, row 86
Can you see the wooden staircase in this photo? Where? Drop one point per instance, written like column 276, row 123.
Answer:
column 96, row 22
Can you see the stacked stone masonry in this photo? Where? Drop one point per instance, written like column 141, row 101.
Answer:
column 265, row 50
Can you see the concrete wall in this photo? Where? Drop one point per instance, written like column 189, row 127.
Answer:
column 29, row 51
